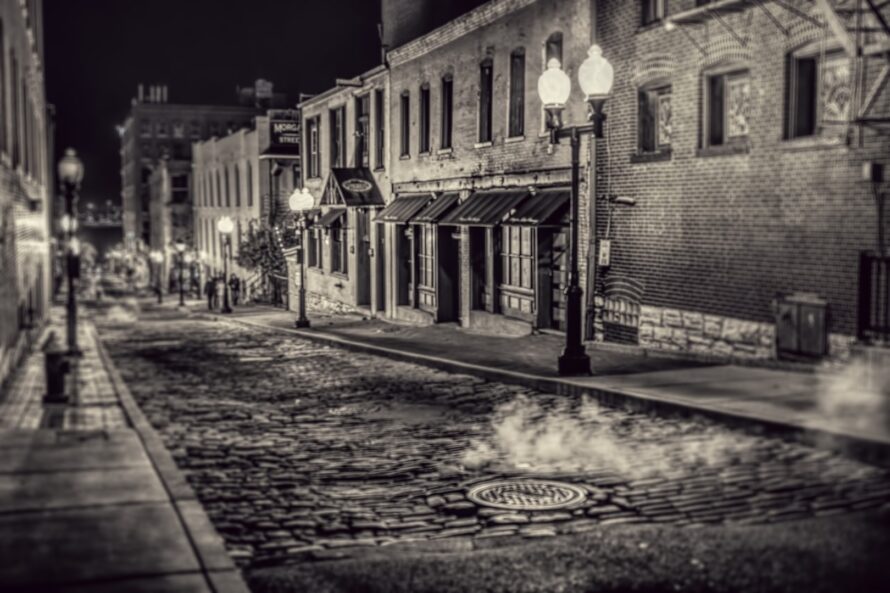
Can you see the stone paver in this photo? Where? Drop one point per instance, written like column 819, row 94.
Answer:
column 300, row 451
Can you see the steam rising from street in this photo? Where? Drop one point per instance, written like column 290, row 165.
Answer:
column 856, row 397
column 582, row 436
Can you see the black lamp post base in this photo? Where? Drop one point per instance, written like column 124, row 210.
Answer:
column 574, row 363
column 301, row 323
column 226, row 310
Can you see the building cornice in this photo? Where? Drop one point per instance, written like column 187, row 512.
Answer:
column 455, row 29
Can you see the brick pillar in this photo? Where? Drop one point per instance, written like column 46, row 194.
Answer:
column 465, row 276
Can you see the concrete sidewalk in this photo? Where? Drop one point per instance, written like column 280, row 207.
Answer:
column 89, row 498
column 818, row 407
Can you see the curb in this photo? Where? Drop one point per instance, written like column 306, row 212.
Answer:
column 861, row 448
column 218, row 569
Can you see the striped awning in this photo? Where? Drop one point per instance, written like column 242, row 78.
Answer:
column 331, row 216
column 540, row 207
column 403, row 208
column 485, row 208
column 437, row 209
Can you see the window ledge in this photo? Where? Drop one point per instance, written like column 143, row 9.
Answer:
column 655, row 24
column 513, row 139
column 380, row 168
column 813, row 143
column 448, row 150
column 404, row 157
column 340, row 275
column 482, row 144
column 424, row 153
column 651, row 157
column 724, row 150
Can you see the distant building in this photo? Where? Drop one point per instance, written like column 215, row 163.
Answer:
column 101, row 227
column 156, row 128
column 248, row 176
column 26, row 180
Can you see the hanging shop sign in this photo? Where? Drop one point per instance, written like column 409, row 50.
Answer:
column 356, row 185
column 284, row 133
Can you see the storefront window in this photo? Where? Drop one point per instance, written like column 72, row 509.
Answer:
column 339, row 257
column 425, row 249
column 517, row 257
column 314, row 248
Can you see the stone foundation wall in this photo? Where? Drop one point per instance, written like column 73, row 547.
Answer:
column 688, row 331
column 320, row 303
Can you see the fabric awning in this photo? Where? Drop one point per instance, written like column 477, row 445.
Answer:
column 437, row 209
column 540, row 207
column 485, row 208
column 331, row 216
column 403, row 208
column 353, row 187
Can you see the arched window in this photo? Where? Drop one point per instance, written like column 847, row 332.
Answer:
column 249, row 185
column 819, row 90
column 516, row 108
column 553, row 48
column 237, row 187
column 486, row 81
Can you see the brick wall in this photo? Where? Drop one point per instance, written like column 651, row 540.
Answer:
column 723, row 235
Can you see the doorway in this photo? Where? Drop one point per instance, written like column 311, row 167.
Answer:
column 403, row 266
column 380, row 267
column 362, row 260
column 478, row 276
column 552, row 278
column 448, row 255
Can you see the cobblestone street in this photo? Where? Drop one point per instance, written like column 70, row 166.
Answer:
column 300, row 451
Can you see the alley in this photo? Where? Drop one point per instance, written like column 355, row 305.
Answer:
column 300, row 451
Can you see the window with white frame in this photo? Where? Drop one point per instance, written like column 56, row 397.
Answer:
column 516, row 108
column 426, row 270
column 517, row 256
column 486, row 90
column 339, row 248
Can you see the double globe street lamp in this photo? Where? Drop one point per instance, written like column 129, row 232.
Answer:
column 300, row 202
column 554, row 88
column 70, row 171
column 225, row 226
column 157, row 257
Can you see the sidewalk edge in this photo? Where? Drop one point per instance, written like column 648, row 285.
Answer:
column 862, row 448
column 219, row 571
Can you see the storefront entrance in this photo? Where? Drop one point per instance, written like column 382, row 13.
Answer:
column 448, row 290
column 552, row 278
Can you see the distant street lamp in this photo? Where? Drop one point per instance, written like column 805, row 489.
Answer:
column 225, row 226
column 158, row 258
column 554, row 87
column 180, row 247
column 70, row 175
column 300, row 201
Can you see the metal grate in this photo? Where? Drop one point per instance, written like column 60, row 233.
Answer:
column 527, row 495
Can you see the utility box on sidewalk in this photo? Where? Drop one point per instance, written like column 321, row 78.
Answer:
column 56, row 366
column 801, row 326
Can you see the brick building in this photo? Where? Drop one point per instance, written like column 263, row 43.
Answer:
column 730, row 125
column 170, row 209
column 156, row 128
column 26, row 179
column 477, row 230
column 345, row 160
column 248, row 176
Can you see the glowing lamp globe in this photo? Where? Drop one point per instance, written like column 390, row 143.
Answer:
column 189, row 258
column 68, row 223
column 70, row 168
column 225, row 225
column 179, row 246
column 554, row 85
column 300, row 200
column 596, row 74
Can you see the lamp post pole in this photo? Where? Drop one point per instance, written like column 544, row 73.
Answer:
column 302, row 321
column 181, row 286
column 227, row 251
column 554, row 88
column 70, row 176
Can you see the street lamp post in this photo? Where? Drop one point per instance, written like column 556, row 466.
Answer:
column 158, row 258
column 180, row 253
column 299, row 202
column 225, row 226
column 70, row 175
column 554, row 87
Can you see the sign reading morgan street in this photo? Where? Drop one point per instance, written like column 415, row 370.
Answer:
column 284, row 133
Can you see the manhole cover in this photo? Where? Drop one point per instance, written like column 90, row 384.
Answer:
column 526, row 495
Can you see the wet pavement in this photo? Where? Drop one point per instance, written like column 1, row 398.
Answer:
column 301, row 451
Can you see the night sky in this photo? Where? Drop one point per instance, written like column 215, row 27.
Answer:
column 98, row 51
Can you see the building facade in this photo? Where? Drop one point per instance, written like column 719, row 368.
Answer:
column 478, row 227
column 156, row 128
column 25, row 181
column 733, row 129
column 345, row 165
column 247, row 176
